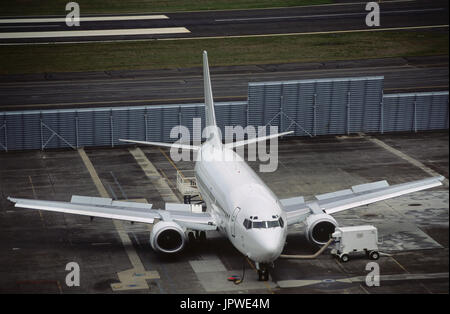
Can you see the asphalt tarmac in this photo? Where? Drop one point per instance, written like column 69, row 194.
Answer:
column 35, row 246
column 153, row 87
column 204, row 24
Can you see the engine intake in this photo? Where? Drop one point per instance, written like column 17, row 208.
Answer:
column 319, row 228
column 167, row 237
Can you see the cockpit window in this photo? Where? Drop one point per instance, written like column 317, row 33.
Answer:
column 273, row 224
column 259, row 224
column 248, row 224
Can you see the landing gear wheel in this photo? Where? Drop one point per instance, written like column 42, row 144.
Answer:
column 344, row 258
column 374, row 255
column 191, row 237
column 202, row 236
column 263, row 274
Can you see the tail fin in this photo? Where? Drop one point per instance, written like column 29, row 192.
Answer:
column 209, row 103
column 213, row 130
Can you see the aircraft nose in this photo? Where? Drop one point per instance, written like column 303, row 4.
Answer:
column 270, row 246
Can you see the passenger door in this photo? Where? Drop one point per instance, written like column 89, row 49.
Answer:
column 233, row 221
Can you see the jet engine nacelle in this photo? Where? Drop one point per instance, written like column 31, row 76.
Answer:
column 319, row 227
column 167, row 237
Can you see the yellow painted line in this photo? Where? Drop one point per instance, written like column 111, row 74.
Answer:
column 312, row 33
column 364, row 289
column 35, row 197
column 171, row 162
column 32, row 187
column 265, row 282
column 59, row 286
column 167, row 178
column 94, row 176
column 135, row 277
column 401, row 266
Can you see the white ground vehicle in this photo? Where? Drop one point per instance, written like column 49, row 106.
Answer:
column 355, row 239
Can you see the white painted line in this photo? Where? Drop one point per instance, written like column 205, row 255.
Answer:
column 91, row 33
column 311, row 33
column 30, row 26
column 381, row 12
column 323, row 15
column 406, row 157
column 86, row 19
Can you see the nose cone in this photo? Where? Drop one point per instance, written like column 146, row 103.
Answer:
column 269, row 246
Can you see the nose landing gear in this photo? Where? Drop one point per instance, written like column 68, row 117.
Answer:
column 263, row 271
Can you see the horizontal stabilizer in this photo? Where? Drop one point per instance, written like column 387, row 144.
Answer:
column 174, row 145
column 255, row 140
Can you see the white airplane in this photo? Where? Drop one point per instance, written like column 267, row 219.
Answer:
column 238, row 203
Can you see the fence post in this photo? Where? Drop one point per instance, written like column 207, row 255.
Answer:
column 112, row 128
column 281, row 113
column 76, row 128
column 42, row 136
column 145, row 121
column 382, row 115
column 314, row 121
column 415, row 116
column 348, row 113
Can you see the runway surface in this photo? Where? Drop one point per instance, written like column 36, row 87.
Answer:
column 116, row 257
column 206, row 24
column 152, row 87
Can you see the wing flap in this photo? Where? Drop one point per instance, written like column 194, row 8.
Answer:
column 379, row 191
column 295, row 209
column 369, row 186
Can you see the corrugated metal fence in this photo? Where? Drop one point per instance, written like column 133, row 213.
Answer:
column 309, row 107
column 415, row 112
column 104, row 126
column 318, row 107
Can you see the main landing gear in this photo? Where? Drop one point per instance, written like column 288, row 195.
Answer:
column 263, row 271
column 197, row 236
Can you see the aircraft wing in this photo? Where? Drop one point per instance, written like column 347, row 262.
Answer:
column 298, row 210
column 120, row 210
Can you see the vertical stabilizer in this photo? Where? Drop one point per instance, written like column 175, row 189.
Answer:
column 209, row 103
